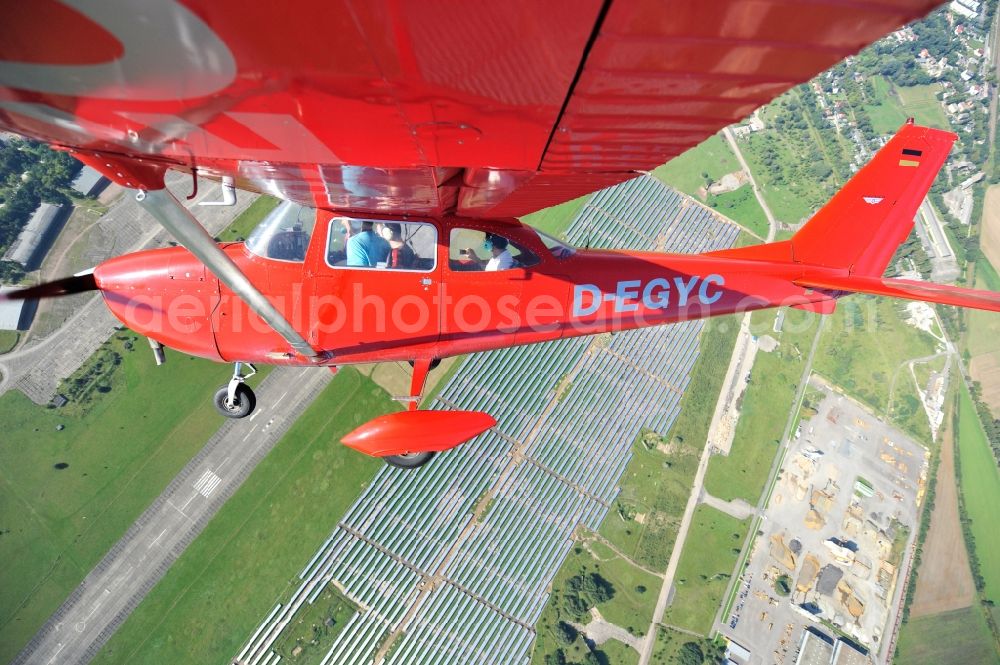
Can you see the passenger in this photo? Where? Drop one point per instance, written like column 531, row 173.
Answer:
column 500, row 258
column 401, row 255
column 366, row 249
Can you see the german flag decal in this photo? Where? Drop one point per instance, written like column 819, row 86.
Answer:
column 910, row 152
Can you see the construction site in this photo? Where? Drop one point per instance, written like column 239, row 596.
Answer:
column 824, row 576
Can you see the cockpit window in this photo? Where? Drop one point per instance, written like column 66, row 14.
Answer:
column 559, row 249
column 381, row 245
column 472, row 249
column 284, row 234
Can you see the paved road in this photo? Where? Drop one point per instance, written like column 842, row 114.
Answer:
column 737, row 508
column 772, row 224
column 675, row 555
column 95, row 610
column 37, row 369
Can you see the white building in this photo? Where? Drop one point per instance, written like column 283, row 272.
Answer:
column 11, row 311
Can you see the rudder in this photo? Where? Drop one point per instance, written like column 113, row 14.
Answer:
column 863, row 224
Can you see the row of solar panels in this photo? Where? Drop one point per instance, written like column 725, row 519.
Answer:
column 469, row 588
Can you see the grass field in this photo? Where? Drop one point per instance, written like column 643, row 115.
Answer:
column 249, row 219
column 707, row 562
column 556, row 220
column 121, row 453
column 8, row 339
column 863, row 350
column 979, row 483
column 959, row 636
column 657, row 485
column 764, row 408
column 631, row 606
column 895, row 105
column 742, row 207
column 712, row 157
column 886, row 115
column 669, row 644
column 203, row 610
column 314, row 627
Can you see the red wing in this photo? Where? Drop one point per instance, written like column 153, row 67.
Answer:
column 482, row 109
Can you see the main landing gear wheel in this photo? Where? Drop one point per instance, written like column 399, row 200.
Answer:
column 243, row 404
column 408, row 460
column 235, row 399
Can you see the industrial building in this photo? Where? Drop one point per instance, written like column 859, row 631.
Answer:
column 35, row 239
column 89, row 182
column 13, row 312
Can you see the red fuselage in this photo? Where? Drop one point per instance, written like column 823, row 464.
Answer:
column 373, row 315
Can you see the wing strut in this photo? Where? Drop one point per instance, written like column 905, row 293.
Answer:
column 176, row 219
column 146, row 176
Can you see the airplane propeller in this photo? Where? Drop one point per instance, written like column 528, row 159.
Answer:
column 60, row 287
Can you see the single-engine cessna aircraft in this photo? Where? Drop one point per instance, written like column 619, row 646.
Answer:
column 406, row 137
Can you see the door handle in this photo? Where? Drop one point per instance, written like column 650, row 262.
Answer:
column 426, row 281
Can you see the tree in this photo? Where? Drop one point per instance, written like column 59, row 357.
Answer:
column 691, row 654
column 556, row 658
column 596, row 657
column 565, row 633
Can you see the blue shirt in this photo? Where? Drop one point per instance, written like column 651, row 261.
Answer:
column 366, row 249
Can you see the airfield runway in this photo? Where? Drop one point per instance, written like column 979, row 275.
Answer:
column 92, row 613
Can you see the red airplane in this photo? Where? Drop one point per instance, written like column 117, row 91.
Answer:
column 406, row 137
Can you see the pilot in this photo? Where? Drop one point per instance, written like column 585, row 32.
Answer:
column 500, row 258
column 366, row 249
column 401, row 255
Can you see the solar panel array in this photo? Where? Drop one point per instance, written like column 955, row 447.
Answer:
column 454, row 560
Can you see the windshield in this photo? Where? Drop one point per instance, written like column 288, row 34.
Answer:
column 284, row 234
column 559, row 249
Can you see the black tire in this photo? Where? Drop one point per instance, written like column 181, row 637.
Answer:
column 408, row 460
column 434, row 363
column 245, row 401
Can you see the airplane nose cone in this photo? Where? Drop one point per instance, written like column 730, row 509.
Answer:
column 164, row 294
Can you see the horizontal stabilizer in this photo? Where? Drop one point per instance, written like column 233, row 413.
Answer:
column 908, row 289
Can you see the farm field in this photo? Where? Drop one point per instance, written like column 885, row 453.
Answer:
column 203, row 610
column 959, row 636
column 983, row 336
column 979, row 481
column 944, row 554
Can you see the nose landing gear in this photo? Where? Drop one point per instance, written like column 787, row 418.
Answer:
column 236, row 399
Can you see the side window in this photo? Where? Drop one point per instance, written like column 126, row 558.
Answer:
column 472, row 249
column 381, row 245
